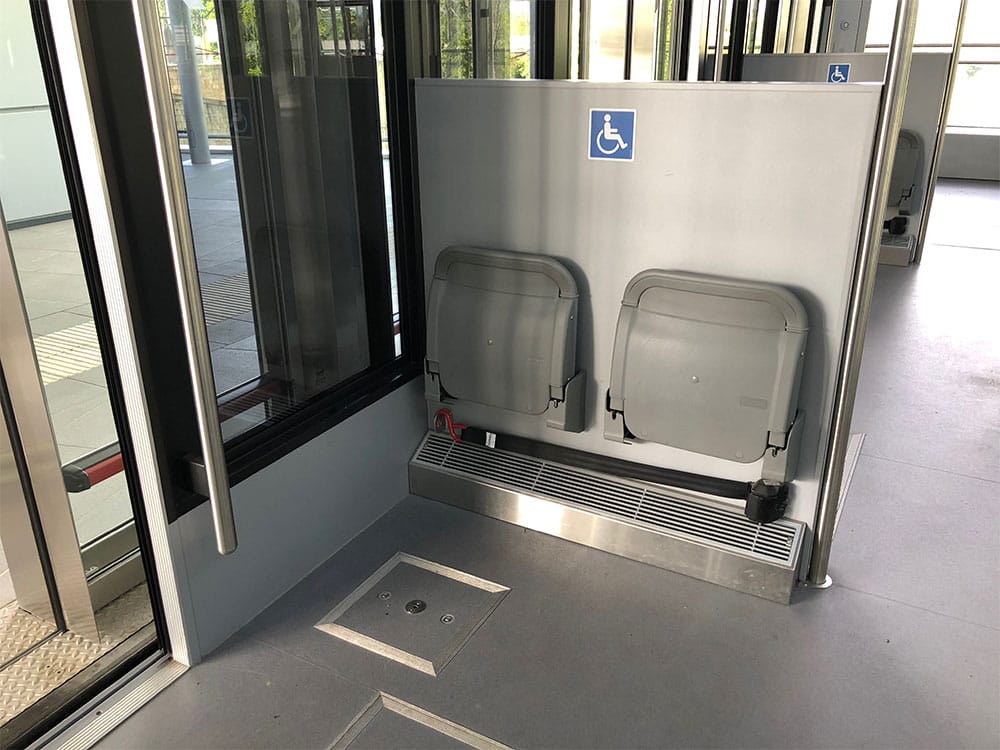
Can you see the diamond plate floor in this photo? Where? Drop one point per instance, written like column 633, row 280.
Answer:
column 19, row 631
column 41, row 670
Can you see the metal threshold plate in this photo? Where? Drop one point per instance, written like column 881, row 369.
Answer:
column 414, row 611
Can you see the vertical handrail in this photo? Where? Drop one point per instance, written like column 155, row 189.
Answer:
column 629, row 39
column 186, row 272
column 863, row 284
column 793, row 13
column 956, row 51
column 676, row 44
column 720, row 41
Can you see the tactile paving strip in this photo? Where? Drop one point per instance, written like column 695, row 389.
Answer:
column 226, row 298
column 48, row 666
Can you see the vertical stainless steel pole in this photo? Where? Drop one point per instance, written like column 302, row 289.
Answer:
column 890, row 117
column 190, row 81
column 720, row 41
column 186, row 269
column 925, row 210
column 793, row 13
column 584, row 58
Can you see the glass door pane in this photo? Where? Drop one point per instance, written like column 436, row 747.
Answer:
column 72, row 518
column 280, row 123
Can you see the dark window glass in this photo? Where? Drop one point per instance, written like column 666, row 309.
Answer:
column 281, row 124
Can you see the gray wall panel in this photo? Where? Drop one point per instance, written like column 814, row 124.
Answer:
column 293, row 515
column 735, row 179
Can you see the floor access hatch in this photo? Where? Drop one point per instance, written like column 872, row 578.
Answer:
column 415, row 612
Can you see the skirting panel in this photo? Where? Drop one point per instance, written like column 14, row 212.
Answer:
column 676, row 531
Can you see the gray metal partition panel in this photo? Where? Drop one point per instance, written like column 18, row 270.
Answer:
column 924, row 91
column 724, row 181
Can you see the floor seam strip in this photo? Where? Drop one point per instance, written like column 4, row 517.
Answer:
column 929, row 468
column 883, row 597
column 323, row 667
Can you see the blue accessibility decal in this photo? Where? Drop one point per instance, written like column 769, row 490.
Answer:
column 838, row 73
column 612, row 134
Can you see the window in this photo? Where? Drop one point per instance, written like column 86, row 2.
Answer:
column 623, row 39
column 282, row 125
column 975, row 102
column 485, row 38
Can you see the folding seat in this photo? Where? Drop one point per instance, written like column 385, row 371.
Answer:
column 501, row 338
column 710, row 365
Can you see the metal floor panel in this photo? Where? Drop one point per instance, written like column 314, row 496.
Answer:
column 35, row 674
column 414, row 611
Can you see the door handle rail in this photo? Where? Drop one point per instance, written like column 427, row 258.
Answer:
column 186, row 273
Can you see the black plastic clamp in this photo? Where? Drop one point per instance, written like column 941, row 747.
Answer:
column 766, row 501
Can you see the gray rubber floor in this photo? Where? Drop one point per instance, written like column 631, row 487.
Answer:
column 591, row 650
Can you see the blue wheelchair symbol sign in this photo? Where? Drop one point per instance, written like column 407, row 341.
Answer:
column 838, row 73
column 612, row 134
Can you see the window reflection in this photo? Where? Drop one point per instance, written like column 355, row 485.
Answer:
column 291, row 209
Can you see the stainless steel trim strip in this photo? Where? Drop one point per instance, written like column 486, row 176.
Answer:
column 439, row 724
column 86, row 728
column 186, row 271
column 385, row 702
column 956, row 53
column 863, row 284
column 758, row 577
column 34, row 427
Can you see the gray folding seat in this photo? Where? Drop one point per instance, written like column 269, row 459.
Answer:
column 709, row 365
column 905, row 190
column 501, row 338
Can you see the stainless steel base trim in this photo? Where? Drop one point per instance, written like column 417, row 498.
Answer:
column 826, row 583
column 96, row 721
column 619, row 537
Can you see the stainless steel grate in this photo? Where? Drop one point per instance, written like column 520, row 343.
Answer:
column 683, row 516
